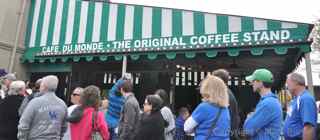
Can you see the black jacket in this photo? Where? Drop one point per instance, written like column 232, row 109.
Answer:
column 9, row 117
column 151, row 127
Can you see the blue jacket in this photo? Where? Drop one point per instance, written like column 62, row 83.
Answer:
column 112, row 116
column 265, row 122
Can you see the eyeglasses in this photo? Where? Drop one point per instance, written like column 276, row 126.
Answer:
column 75, row 94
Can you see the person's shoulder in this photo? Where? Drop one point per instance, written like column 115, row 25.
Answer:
column 205, row 106
column 166, row 109
column 307, row 96
column 72, row 107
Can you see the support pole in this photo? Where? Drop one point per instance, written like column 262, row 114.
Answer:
column 309, row 73
column 124, row 65
column 16, row 41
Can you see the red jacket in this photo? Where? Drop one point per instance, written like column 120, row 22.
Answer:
column 83, row 129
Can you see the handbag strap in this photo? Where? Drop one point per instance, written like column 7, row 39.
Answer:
column 214, row 123
column 93, row 120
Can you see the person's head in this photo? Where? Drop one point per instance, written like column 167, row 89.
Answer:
column 222, row 74
column 75, row 96
column 214, row 90
column 104, row 104
column 37, row 85
column 260, row 79
column 295, row 83
column 126, row 87
column 90, row 97
column 49, row 84
column 163, row 95
column 17, row 88
column 184, row 113
column 8, row 78
column 152, row 103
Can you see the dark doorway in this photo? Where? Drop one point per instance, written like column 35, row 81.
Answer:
column 63, row 86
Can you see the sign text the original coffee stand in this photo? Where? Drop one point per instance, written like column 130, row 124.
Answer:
column 178, row 42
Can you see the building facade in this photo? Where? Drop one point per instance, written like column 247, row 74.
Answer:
column 9, row 14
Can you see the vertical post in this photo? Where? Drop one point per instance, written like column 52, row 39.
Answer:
column 309, row 73
column 124, row 65
column 172, row 89
column 16, row 41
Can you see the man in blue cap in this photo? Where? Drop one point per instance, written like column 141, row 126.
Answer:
column 301, row 121
column 265, row 122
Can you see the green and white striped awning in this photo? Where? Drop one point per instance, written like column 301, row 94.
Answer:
column 71, row 29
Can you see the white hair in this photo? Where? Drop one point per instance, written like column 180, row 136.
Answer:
column 16, row 87
column 51, row 82
column 297, row 78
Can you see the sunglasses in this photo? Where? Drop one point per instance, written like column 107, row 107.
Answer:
column 74, row 94
column 146, row 103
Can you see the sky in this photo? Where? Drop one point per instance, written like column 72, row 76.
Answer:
column 306, row 11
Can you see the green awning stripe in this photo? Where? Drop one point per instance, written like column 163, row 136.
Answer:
column 247, row 24
column 104, row 22
column 120, row 22
column 274, row 25
column 190, row 55
column 64, row 21
column 29, row 23
column 89, row 58
column 53, row 59
column 76, row 22
column 76, row 59
column 156, row 22
column 176, row 22
column 198, row 23
column 135, row 56
column 90, row 19
column 118, row 57
column 171, row 55
column 52, row 21
column 211, row 54
column 152, row 56
column 65, row 59
column 222, row 24
column 40, row 23
column 42, row 60
column 103, row 58
column 233, row 52
column 281, row 50
column 256, row 51
column 137, row 22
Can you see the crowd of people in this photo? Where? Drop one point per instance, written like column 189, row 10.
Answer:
column 38, row 114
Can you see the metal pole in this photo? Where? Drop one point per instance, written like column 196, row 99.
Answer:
column 16, row 41
column 124, row 65
column 309, row 73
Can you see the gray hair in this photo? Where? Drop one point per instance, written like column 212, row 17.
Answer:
column 51, row 82
column 297, row 78
column 79, row 88
column 16, row 87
